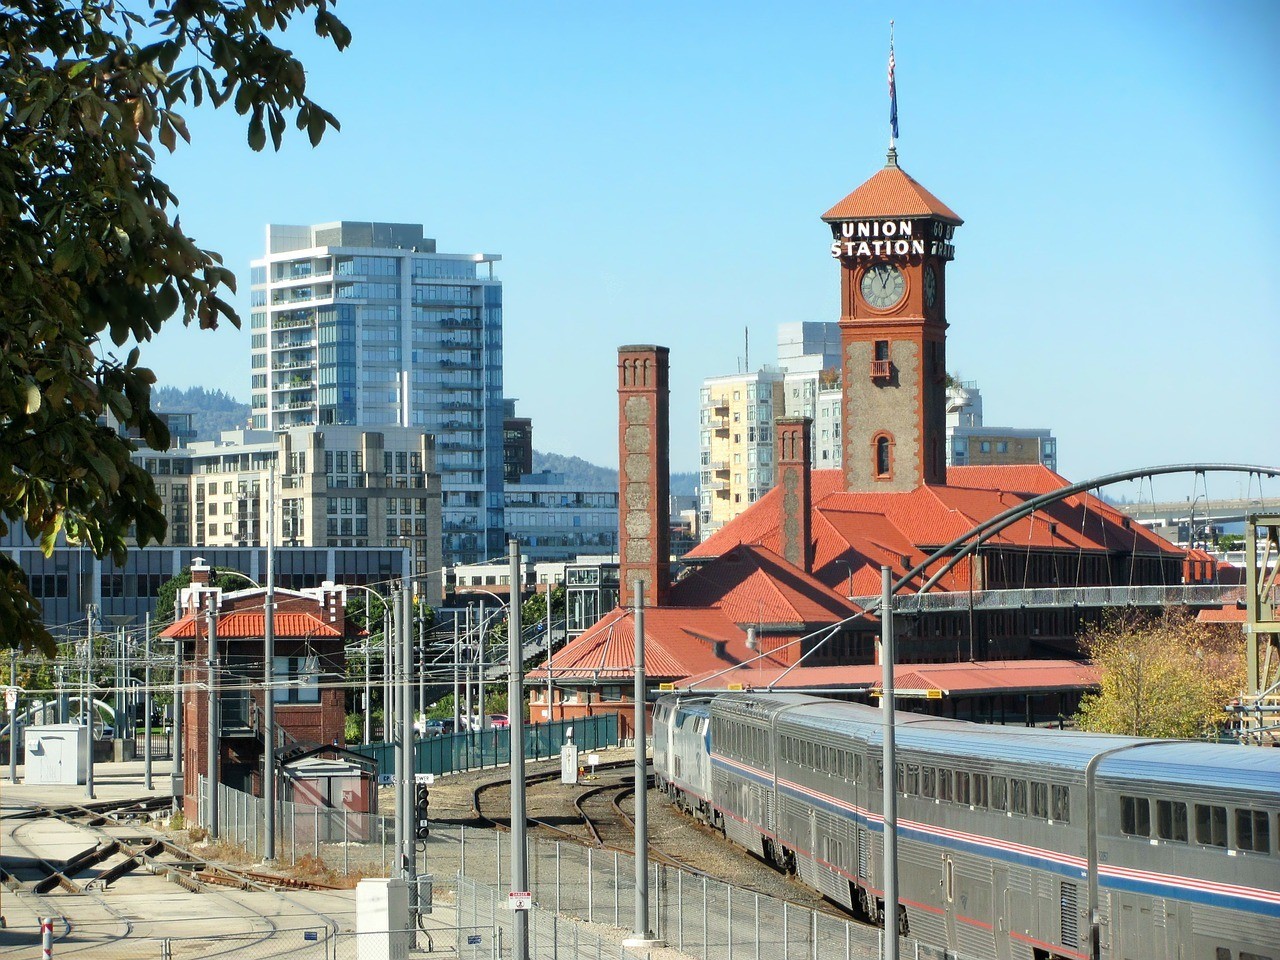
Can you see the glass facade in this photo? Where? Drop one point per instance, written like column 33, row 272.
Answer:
column 367, row 324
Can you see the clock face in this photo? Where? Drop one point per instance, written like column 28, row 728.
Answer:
column 883, row 285
column 930, row 286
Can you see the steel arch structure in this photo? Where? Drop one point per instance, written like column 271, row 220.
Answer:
column 972, row 539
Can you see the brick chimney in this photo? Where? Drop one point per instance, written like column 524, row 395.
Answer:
column 793, row 480
column 644, row 473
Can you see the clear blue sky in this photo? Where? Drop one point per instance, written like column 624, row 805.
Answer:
column 655, row 173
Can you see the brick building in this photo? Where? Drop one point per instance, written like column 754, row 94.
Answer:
column 310, row 636
column 777, row 596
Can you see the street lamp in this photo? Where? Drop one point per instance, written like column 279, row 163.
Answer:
column 480, row 631
column 368, row 659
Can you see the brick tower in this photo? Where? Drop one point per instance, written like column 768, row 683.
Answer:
column 794, row 480
column 893, row 240
column 644, row 473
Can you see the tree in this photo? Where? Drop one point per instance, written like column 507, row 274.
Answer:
column 90, row 258
column 1162, row 676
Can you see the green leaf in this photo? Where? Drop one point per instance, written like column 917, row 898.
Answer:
column 257, row 133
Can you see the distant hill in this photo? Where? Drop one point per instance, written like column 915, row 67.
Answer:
column 215, row 410
column 212, row 410
column 579, row 472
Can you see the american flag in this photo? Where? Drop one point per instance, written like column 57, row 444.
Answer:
column 893, row 97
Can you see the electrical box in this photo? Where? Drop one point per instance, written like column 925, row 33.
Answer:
column 382, row 919
column 569, row 763
column 426, row 893
column 56, row 753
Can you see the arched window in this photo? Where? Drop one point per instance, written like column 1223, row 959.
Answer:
column 882, row 448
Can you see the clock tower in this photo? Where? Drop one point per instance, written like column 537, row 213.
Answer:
column 892, row 238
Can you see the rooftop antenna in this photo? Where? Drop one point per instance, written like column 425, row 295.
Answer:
column 746, row 349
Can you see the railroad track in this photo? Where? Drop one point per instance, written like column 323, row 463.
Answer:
column 602, row 822
column 117, row 852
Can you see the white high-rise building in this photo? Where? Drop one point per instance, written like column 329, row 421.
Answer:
column 358, row 323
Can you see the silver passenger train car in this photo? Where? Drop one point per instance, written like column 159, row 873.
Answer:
column 1006, row 835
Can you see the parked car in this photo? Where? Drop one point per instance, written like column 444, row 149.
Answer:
column 437, row 728
column 499, row 721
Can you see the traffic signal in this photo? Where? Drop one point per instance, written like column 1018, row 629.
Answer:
column 422, row 795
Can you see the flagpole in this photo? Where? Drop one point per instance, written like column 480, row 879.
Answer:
column 893, row 96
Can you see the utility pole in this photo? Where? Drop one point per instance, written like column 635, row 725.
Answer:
column 368, row 681
column 388, row 713
column 146, row 701
column 177, row 778
column 214, row 737
column 390, row 734
column 466, row 704
column 643, row 935
column 268, row 669
column 515, row 731
column 87, row 703
column 405, row 702
column 890, row 796
column 457, row 727
column 550, row 588
column 13, row 717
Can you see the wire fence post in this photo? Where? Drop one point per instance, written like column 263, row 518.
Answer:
column 757, row 926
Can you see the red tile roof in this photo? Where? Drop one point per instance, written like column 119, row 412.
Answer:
column 704, row 627
column 891, row 192
column 242, row 625
column 854, row 533
column 953, row 679
column 753, row 585
column 677, row 641
column 1225, row 614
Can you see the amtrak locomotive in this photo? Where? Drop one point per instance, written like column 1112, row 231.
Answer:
column 1010, row 839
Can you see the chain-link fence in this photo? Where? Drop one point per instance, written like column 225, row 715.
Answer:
column 701, row 917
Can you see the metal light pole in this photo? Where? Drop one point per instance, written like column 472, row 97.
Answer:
column 550, row 587
column 390, row 733
column 405, row 702
column 177, row 778
column 146, row 701
column 215, row 724
column 13, row 717
column 457, row 726
column 515, row 731
column 890, row 795
column 643, row 935
column 86, row 703
column 268, row 670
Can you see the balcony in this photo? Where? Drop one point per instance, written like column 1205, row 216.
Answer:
column 881, row 369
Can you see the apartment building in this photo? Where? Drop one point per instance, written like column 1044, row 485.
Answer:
column 360, row 323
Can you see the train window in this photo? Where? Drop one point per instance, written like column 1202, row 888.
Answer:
column 1171, row 820
column 928, row 782
column 1061, row 800
column 857, row 766
column 1211, row 825
column 979, row 790
column 912, row 786
column 1018, row 796
column 1135, row 816
column 1246, row 955
column 901, row 779
column 962, row 787
column 999, row 793
column 841, row 765
column 1221, row 953
column 1253, row 831
column 944, row 784
column 1040, row 800
column 879, row 773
